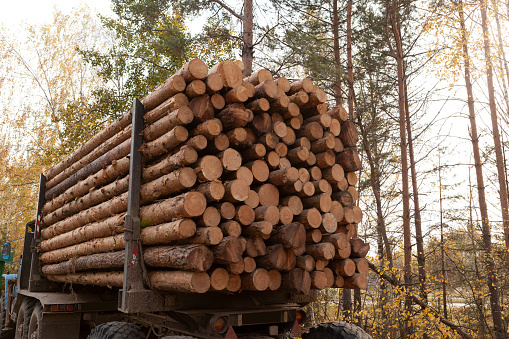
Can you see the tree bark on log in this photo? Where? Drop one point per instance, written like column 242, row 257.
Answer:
column 111, row 260
column 182, row 257
column 180, row 281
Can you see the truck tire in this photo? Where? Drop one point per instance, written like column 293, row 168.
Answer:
column 23, row 318
column 116, row 330
column 34, row 325
column 178, row 337
column 3, row 311
column 336, row 330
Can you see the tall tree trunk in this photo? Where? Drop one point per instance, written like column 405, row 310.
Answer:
column 494, row 123
column 407, row 251
column 337, row 60
column 421, row 261
column 349, row 58
column 442, row 246
column 247, row 37
column 502, row 59
column 486, row 233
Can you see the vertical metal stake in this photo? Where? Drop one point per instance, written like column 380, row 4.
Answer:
column 133, row 275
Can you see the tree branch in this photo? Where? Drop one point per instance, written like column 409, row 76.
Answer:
column 419, row 302
column 232, row 12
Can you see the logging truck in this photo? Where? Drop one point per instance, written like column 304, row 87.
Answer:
column 216, row 207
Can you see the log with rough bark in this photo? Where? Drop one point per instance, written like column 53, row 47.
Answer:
column 357, row 281
column 182, row 257
column 229, row 72
column 229, row 250
column 297, row 280
column 258, row 280
column 290, row 235
column 180, row 281
column 112, row 260
column 108, row 279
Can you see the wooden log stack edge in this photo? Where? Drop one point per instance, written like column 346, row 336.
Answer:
column 248, row 184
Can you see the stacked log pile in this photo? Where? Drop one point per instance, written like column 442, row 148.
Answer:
column 247, row 184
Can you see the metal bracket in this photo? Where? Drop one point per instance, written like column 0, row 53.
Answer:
column 134, row 296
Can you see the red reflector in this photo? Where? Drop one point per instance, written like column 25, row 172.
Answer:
column 69, row 308
column 231, row 334
column 296, row 328
column 300, row 317
column 219, row 324
column 53, row 308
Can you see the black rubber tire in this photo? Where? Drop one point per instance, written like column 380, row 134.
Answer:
column 178, row 337
column 23, row 318
column 34, row 325
column 116, row 330
column 336, row 330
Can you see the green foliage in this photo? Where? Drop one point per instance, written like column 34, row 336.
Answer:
column 148, row 44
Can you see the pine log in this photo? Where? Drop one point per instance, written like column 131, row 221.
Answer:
column 262, row 123
column 231, row 228
column 339, row 113
column 259, row 105
column 258, row 280
column 303, row 142
column 275, row 258
column 259, row 169
column 322, row 186
column 244, row 214
column 338, row 146
column 320, row 264
column 111, row 260
column 219, row 278
column 361, row 265
column 202, row 107
column 291, row 112
column 273, row 160
column 344, row 267
column 297, row 281
column 357, row 215
column 254, row 152
column 280, row 105
column 290, row 235
column 235, row 115
column 267, row 89
column 229, row 72
column 107, row 279
column 195, row 88
column 227, row 210
column 194, row 69
column 324, row 144
column 318, row 280
column 104, row 176
column 180, row 281
column 300, row 98
column 112, row 243
column 182, row 257
column 229, row 250
column 230, row 159
column 184, row 157
column 176, row 102
column 325, row 159
column 316, row 173
column 168, row 232
column 337, row 210
column 342, row 185
column 359, row 248
column 281, row 148
column 349, row 135
column 255, row 247
column 313, row 236
column 180, row 116
column 329, row 223
column 236, row 190
column 295, row 122
column 285, row 215
column 302, row 85
column 242, row 173
column 268, row 194
column 258, row 77
column 253, row 200
column 322, row 202
column 234, row 283
column 298, row 155
column 315, row 98
column 324, row 251
column 294, row 202
column 330, row 277
column 311, row 160
column 238, row 94
column 310, row 218
column 279, row 129
column 198, row 142
column 249, row 264
column 268, row 213
column 291, row 260
column 349, row 159
column 357, row 281
column 235, row 268
column 334, row 173
column 205, row 235
column 214, row 83
column 283, row 83
column 217, row 101
column 269, row 140
column 323, row 119
column 212, row 190
column 284, row 163
column 209, row 129
column 275, row 280
column 305, row 262
column 208, row 168
column 290, row 137
column 209, row 218
column 339, row 281
column 168, row 88
column 237, row 136
column 167, row 184
column 258, row 228
column 164, row 143
column 353, row 192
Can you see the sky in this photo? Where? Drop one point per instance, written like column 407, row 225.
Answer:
column 16, row 12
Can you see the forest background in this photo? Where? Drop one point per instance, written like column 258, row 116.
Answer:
column 426, row 82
